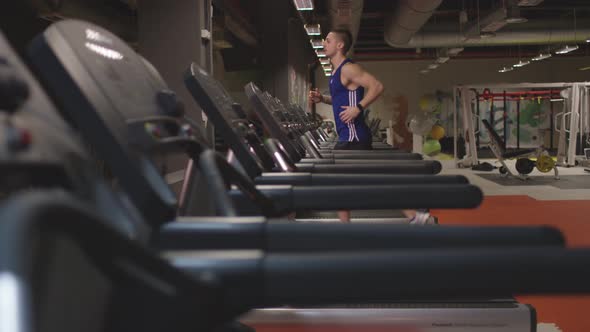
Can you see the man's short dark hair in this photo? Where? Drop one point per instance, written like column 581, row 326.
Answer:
column 346, row 38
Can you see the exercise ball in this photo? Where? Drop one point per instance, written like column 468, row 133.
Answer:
column 427, row 103
column 437, row 132
column 431, row 147
column 420, row 123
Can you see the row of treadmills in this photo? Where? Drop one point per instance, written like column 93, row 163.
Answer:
column 79, row 251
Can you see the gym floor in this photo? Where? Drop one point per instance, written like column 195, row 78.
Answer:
column 530, row 204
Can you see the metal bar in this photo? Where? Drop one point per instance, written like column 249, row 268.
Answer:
column 518, row 124
column 551, row 130
column 505, row 115
column 477, row 138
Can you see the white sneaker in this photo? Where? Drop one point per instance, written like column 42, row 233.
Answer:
column 423, row 218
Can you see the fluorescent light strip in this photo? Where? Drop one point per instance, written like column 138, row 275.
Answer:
column 521, row 63
column 321, row 54
column 317, row 43
column 542, row 56
column 303, row 4
column 566, row 49
column 313, row 29
column 505, row 69
column 455, row 50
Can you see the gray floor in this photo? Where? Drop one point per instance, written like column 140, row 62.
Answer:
column 574, row 185
column 564, row 182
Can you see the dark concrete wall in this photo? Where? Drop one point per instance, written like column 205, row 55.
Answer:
column 170, row 38
column 285, row 51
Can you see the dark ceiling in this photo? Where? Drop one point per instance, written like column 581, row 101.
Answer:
column 120, row 15
column 371, row 45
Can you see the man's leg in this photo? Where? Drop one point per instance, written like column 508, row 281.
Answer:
column 420, row 217
column 343, row 215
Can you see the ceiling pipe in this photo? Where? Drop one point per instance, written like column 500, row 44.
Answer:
column 407, row 19
column 525, row 37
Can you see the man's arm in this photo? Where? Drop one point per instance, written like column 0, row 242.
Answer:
column 354, row 74
column 317, row 97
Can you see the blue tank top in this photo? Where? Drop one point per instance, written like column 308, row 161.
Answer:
column 356, row 131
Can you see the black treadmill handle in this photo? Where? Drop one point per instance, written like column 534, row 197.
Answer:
column 308, row 179
column 212, row 233
column 387, row 276
column 253, row 279
column 411, row 196
column 404, row 167
column 285, row 236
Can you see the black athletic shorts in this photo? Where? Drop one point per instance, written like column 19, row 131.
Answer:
column 353, row 146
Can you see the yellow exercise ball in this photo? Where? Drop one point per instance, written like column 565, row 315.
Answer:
column 427, row 103
column 437, row 132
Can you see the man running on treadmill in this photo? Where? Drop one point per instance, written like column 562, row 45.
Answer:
column 352, row 90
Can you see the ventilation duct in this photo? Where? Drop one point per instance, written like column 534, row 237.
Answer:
column 407, row 19
column 516, row 37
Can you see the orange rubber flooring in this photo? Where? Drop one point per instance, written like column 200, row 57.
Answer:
column 570, row 313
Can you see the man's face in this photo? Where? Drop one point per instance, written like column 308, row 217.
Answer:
column 332, row 44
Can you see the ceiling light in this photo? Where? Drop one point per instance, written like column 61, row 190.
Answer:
column 424, row 71
column 317, row 43
column 328, row 73
column 455, row 50
column 521, row 63
column 312, row 29
column 320, row 53
column 566, row 49
column 584, row 68
column 325, row 61
column 433, row 66
column 486, row 35
column 303, row 4
column 327, row 68
column 516, row 20
column 528, row 3
column 505, row 69
column 556, row 99
column 588, row 40
column 542, row 56
column 442, row 59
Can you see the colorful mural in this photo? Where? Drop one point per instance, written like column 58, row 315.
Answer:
column 527, row 122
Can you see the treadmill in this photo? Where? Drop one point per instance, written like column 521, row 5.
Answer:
column 230, row 121
column 209, row 93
